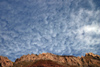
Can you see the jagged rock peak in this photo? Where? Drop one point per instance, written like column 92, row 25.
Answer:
column 93, row 55
column 90, row 54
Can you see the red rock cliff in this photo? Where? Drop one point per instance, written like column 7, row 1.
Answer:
column 52, row 60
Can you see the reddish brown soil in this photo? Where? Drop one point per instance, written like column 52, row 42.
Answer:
column 45, row 63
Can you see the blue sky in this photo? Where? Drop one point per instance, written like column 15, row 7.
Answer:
column 63, row 27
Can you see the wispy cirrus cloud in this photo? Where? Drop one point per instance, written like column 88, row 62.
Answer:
column 68, row 27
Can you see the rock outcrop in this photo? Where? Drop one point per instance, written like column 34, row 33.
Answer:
column 89, row 60
column 93, row 55
column 5, row 62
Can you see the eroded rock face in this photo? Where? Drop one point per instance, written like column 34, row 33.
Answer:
column 93, row 55
column 67, row 60
column 27, row 58
column 5, row 62
column 93, row 60
column 89, row 60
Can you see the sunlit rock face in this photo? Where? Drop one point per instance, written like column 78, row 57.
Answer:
column 89, row 60
column 52, row 60
column 62, row 27
column 5, row 62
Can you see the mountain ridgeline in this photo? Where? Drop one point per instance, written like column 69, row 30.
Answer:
column 52, row 60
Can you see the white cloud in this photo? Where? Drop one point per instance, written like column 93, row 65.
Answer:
column 87, row 32
column 89, row 29
column 61, row 28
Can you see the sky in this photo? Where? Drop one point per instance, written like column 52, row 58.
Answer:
column 62, row 27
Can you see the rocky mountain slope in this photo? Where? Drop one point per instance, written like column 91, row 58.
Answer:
column 5, row 62
column 52, row 60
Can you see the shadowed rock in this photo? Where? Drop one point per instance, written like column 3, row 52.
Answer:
column 45, row 63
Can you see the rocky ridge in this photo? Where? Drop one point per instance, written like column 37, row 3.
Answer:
column 5, row 62
column 89, row 60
